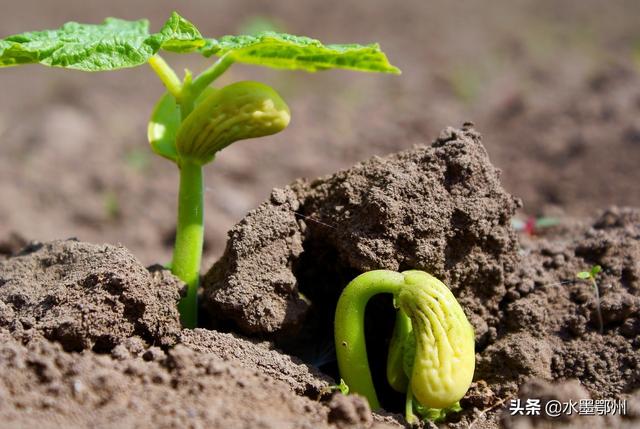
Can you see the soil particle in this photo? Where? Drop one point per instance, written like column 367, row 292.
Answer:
column 439, row 208
column 87, row 296
column 258, row 356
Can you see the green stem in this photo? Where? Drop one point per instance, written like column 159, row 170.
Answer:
column 599, row 312
column 187, row 252
column 166, row 75
column 206, row 78
column 351, row 348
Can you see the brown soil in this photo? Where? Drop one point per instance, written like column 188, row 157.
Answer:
column 90, row 338
column 87, row 297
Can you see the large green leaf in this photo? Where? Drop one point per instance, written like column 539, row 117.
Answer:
column 114, row 44
column 284, row 51
column 117, row 43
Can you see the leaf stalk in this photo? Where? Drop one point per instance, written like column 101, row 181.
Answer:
column 167, row 76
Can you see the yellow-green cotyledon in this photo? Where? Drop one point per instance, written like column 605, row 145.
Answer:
column 239, row 111
column 432, row 350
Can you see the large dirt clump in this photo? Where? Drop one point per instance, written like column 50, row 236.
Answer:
column 87, row 296
column 437, row 207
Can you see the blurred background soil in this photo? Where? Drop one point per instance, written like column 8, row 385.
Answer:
column 554, row 87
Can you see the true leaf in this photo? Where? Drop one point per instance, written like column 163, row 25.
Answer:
column 118, row 43
column 343, row 388
column 180, row 35
column 112, row 45
column 284, row 51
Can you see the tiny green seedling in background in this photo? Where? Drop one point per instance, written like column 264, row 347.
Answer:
column 431, row 354
column 342, row 388
column 591, row 276
column 192, row 121
column 112, row 206
column 636, row 54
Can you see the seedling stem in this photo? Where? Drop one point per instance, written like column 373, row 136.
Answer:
column 187, row 253
column 591, row 276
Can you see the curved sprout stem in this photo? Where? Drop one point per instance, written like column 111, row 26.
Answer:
column 351, row 346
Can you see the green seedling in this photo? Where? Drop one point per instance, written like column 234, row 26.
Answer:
column 591, row 276
column 636, row 54
column 112, row 206
column 431, row 355
column 342, row 388
column 138, row 160
column 192, row 121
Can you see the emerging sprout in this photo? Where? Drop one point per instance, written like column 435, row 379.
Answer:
column 342, row 388
column 431, row 354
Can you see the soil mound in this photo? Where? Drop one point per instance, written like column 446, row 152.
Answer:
column 87, row 296
column 439, row 208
